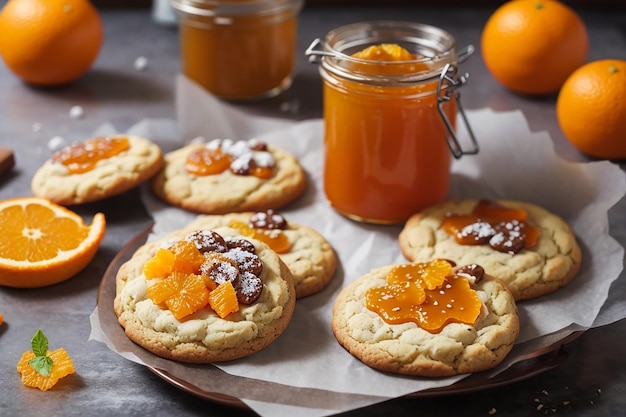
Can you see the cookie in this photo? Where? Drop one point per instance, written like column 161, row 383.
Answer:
column 225, row 176
column 310, row 258
column 404, row 347
column 204, row 336
column 96, row 169
column 529, row 272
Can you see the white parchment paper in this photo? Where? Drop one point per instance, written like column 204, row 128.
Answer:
column 514, row 163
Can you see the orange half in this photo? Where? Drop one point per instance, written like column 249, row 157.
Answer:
column 43, row 243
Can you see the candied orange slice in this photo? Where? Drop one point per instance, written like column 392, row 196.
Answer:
column 223, row 299
column 1, row 319
column 191, row 294
column 62, row 366
column 203, row 161
column 187, row 257
column 160, row 265
column 161, row 290
column 41, row 368
column 43, row 243
column 274, row 238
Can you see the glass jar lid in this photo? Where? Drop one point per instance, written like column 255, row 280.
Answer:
column 433, row 48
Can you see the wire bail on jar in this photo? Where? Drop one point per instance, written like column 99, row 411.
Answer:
column 447, row 88
column 444, row 94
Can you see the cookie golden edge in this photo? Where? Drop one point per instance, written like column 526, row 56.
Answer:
column 407, row 349
column 532, row 273
column 196, row 352
column 53, row 182
column 312, row 260
column 178, row 188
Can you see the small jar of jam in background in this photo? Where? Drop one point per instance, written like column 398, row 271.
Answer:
column 239, row 49
column 390, row 107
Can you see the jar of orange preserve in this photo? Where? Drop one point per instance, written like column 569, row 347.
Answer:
column 390, row 107
column 239, row 49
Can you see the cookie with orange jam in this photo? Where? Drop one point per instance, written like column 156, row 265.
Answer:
column 532, row 250
column 224, row 176
column 202, row 296
column 97, row 168
column 309, row 256
column 430, row 319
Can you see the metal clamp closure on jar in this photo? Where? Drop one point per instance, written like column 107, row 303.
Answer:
column 437, row 62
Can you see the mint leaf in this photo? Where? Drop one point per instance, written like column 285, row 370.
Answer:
column 39, row 344
column 42, row 364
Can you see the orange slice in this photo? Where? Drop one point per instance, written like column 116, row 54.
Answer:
column 223, row 299
column 43, row 243
column 41, row 368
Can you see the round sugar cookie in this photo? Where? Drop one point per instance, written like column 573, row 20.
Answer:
column 310, row 258
column 203, row 336
column 408, row 349
column 549, row 265
column 227, row 191
column 111, row 175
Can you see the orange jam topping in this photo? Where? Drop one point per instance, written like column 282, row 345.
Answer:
column 274, row 238
column 387, row 59
column 504, row 229
column 204, row 161
column 385, row 52
column 83, row 156
column 242, row 158
column 428, row 294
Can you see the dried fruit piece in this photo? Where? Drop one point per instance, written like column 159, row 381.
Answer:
column 207, row 241
column 267, row 219
column 41, row 368
column 219, row 268
column 223, row 299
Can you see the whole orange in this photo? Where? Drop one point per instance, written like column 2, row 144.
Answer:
column 50, row 42
column 591, row 109
column 532, row 46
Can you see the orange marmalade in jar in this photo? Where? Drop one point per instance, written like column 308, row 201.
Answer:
column 390, row 106
column 239, row 49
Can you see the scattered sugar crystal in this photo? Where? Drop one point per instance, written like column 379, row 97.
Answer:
column 263, row 159
column 141, row 63
column 77, row 112
column 56, row 143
